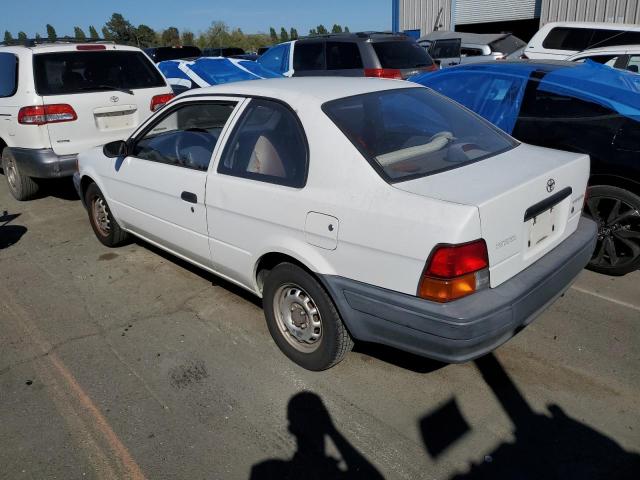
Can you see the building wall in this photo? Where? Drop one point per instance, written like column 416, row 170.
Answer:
column 422, row 14
column 617, row 11
column 485, row 11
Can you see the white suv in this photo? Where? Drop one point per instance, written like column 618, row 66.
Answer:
column 59, row 99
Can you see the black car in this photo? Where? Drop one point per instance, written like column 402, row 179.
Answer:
column 580, row 107
column 223, row 52
column 369, row 54
column 160, row 54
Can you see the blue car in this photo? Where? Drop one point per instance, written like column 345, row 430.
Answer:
column 581, row 107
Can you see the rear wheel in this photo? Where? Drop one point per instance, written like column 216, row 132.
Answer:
column 104, row 225
column 303, row 320
column 617, row 213
column 20, row 186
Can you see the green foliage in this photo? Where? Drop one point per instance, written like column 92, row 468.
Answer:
column 79, row 33
column 321, row 30
column 346, row 29
column 313, row 32
column 120, row 30
column 8, row 38
column 51, row 33
column 22, row 37
column 38, row 38
column 188, row 38
column 93, row 33
column 336, row 28
column 273, row 35
column 293, row 34
column 171, row 37
column 146, row 36
column 284, row 36
column 106, row 34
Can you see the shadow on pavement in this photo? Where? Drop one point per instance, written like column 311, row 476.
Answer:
column 311, row 424
column 399, row 358
column 61, row 188
column 553, row 446
column 10, row 234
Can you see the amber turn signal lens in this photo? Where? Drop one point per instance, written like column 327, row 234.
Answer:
column 446, row 290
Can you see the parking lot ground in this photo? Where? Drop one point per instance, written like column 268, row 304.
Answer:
column 128, row 363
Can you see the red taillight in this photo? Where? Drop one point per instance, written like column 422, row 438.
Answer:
column 455, row 271
column 160, row 101
column 43, row 114
column 90, row 47
column 383, row 73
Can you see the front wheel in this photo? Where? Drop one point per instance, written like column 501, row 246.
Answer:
column 104, row 225
column 617, row 213
column 303, row 320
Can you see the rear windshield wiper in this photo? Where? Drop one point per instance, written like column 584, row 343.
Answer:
column 107, row 87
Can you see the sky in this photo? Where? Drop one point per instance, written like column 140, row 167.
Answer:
column 251, row 16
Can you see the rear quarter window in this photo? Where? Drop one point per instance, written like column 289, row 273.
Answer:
column 343, row 55
column 309, row 56
column 8, row 74
column 80, row 72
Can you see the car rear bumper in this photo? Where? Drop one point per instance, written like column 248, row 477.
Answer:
column 470, row 327
column 44, row 163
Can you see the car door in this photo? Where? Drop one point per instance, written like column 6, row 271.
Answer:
column 158, row 190
column 254, row 196
column 447, row 52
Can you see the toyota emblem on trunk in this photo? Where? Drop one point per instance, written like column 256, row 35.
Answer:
column 551, row 184
column 114, row 99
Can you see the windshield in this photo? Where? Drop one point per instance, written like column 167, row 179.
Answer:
column 507, row 45
column 79, row 72
column 401, row 55
column 413, row 132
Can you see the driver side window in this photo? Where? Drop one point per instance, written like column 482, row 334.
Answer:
column 186, row 137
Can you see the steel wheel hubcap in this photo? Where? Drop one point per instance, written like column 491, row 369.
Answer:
column 101, row 216
column 298, row 318
column 618, row 231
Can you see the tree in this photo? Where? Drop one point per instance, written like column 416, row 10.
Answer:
column 273, row 35
column 8, row 38
column 146, row 36
column 218, row 35
column 321, row 30
column 188, row 38
column 336, row 28
column 171, row 37
column 93, row 33
column 346, row 29
column 79, row 34
column 22, row 37
column 284, row 36
column 106, row 34
column 312, row 32
column 38, row 38
column 120, row 30
column 51, row 33
column 293, row 34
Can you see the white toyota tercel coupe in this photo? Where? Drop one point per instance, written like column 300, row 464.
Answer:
column 362, row 209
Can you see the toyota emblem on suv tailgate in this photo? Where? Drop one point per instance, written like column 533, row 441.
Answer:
column 551, row 184
column 114, row 99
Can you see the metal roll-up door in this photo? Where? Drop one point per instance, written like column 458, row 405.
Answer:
column 485, row 11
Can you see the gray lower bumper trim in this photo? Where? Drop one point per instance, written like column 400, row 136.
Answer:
column 43, row 163
column 470, row 327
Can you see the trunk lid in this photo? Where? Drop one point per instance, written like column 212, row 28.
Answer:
column 110, row 88
column 529, row 200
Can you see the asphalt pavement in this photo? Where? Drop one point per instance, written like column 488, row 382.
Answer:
column 128, row 363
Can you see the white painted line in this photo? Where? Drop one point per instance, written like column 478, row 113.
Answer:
column 609, row 299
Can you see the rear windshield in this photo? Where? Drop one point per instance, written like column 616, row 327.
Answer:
column 413, row 132
column 569, row 38
column 170, row 53
column 401, row 55
column 507, row 45
column 79, row 72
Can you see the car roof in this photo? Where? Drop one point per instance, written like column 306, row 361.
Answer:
column 611, row 49
column 600, row 25
column 475, row 38
column 300, row 91
column 358, row 37
column 47, row 47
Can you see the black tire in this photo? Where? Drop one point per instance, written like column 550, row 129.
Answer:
column 334, row 341
column 21, row 187
column 106, row 228
column 617, row 213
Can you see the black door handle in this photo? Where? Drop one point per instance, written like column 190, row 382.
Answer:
column 189, row 197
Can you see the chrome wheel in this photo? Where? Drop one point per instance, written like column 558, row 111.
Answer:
column 298, row 318
column 101, row 216
column 11, row 173
column 618, row 231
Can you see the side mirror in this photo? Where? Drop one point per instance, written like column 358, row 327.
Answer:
column 115, row 149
